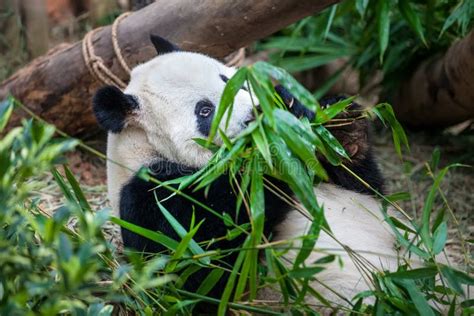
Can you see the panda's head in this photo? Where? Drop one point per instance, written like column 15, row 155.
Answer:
column 171, row 100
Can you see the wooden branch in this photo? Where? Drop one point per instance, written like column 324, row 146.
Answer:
column 441, row 91
column 59, row 87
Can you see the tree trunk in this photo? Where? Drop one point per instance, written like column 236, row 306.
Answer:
column 58, row 86
column 36, row 21
column 441, row 91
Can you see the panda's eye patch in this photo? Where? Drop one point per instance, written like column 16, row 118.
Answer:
column 225, row 79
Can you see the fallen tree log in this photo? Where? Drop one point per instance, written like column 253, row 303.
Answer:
column 58, row 86
column 440, row 92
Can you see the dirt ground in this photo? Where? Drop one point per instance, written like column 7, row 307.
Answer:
column 410, row 175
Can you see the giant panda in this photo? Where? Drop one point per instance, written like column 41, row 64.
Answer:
column 169, row 101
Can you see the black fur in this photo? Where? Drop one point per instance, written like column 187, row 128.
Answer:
column 163, row 46
column 366, row 167
column 111, row 107
column 138, row 206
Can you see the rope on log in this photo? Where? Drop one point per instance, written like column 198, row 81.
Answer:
column 101, row 72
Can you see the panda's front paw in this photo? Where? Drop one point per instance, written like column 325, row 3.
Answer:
column 349, row 127
column 294, row 106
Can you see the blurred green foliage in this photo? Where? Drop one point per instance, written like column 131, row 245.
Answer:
column 388, row 35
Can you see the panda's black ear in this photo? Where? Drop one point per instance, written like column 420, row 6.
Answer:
column 112, row 106
column 162, row 45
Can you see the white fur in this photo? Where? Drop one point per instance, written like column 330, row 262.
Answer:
column 356, row 222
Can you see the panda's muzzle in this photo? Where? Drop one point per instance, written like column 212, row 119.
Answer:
column 255, row 110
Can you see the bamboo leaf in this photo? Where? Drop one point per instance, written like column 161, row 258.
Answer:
column 385, row 113
column 412, row 18
column 383, row 25
column 440, row 236
column 181, row 231
column 210, row 281
column 285, row 79
column 231, row 89
column 6, row 109
column 419, row 273
column 154, row 236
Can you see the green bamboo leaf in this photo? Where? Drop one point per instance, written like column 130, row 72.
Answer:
column 290, row 83
column 420, row 273
column 333, row 110
column 307, row 272
column 453, row 279
column 157, row 237
column 464, row 8
column 224, row 300
column 419, row 300
column 227, row 142
column 332, row 148
column 263, row 89
column 177, row 309
column 403, row 241
column 77, row 189
column 412, row 18
column 297, row 178
column 427, row 209
column 326, row 259
column 181, row 231
column 231, row 89
column 309, row 241
column 210, row 281
column 257, row 211
column 302, row 44
column 399, row 224
column 243, row 277
column 261, row 142
column 439, row 238
column 361, row 6
column 287, row 127
column 332, row 13
column 214, row 171
column 183, row 246
column 6, row 109
column 310, row 61
column 383, row 25
column 64, row 187
column 385, row 113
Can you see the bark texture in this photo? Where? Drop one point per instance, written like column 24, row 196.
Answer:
column 59, row 87
column 441, row 91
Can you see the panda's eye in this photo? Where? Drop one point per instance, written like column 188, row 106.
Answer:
column 204, row 108
column 205, row 111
